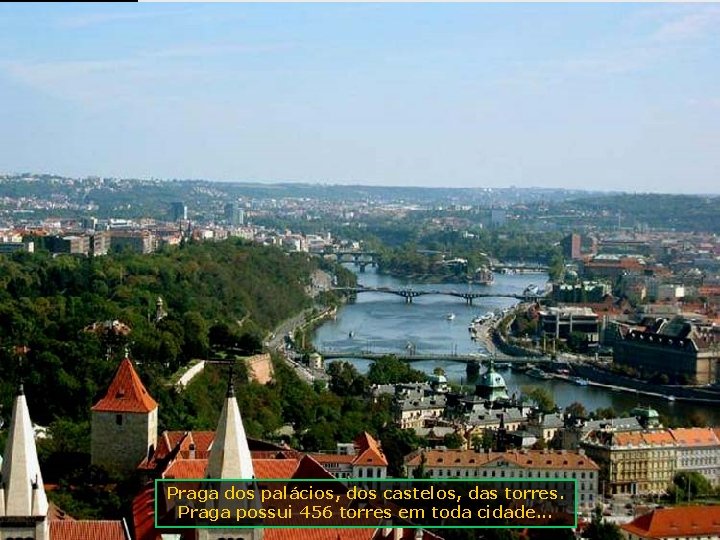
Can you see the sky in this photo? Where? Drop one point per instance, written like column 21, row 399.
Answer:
column 602, row 96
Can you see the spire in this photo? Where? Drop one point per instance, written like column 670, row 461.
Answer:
column 22, row 486
column 229, row 453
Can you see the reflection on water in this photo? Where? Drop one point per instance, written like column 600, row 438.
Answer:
column 380, row 322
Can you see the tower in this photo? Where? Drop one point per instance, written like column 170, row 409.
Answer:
column 124, row 423
column 491, row 386
column 230, row 458
column 23, row 503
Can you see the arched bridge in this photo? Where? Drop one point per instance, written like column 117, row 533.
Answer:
column 410, row 294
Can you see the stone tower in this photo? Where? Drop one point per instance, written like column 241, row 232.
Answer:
column 23, row 504
column 124, row 423
column 230, row 458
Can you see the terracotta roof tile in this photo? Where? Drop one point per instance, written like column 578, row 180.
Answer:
column 87, row 530
column 686, row 521
column 126, row 393
column 696, row 436
column 535, row 459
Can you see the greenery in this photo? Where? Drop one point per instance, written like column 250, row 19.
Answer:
column 599, row 529
column 541, row 396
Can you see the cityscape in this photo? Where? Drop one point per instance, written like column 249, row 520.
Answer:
column 485, row 250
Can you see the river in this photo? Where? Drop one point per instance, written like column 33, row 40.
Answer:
column 381, row 322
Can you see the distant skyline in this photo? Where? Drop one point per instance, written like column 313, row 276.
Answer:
column 581, row 96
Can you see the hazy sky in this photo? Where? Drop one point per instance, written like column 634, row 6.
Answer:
column 609, row 96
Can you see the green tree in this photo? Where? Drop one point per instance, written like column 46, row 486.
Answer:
column 599, row 529
column 453, row 441
column 541, row 397
column 345, row 380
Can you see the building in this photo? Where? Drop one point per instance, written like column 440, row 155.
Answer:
column 572, row 246
column 491, row 386
column 562, row 322
column 178, row 211
column 510, row 464
column 138, row 241
column 633, row 462
column 416, row 404
column 680, row 523
column 25, row 513
column 72, row 244
column 123, row 423
column 698, row 449
column 234, row 215
column 363, row 458
column 228, row 453
column 582, row 292
column 683, row 350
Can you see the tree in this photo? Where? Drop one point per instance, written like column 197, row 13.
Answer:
column 541, row 396
column 690, row 485
column 599, row 529
column 345, row 380
column 391, row 370
column 576, row 410
column 453, row 441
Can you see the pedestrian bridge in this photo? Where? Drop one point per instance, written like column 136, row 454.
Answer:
column 410, row 294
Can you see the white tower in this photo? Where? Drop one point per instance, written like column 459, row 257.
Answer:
column 230, row 458
column 23, row 503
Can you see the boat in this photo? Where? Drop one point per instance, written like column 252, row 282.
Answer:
column 671, row 398
column 450, row 316
column 351, row 334
column 502, row 365
column 580, row 381
column 531, row 290
column 519, row 368
column 537, row 374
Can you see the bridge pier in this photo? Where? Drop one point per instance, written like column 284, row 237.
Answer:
column 408, row 299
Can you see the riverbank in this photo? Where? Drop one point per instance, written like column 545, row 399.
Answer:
column 429, row 279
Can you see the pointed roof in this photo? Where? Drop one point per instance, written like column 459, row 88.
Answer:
column 22, row 483
column 126, row 393
column 229, row 453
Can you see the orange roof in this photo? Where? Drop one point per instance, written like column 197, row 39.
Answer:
column 186, row 468
column 527, row 459
column 82, row 530
column 126, row 393
column 371, row 457
column 334, row 458
column 679, row 522
column 275, row 468
column 696, row 436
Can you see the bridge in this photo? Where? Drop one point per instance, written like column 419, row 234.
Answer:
column 359, row 258
column 420, row 357
column 410, row 294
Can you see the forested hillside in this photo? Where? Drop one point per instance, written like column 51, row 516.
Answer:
column 226, row 293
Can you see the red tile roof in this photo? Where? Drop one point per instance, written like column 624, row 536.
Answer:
column 126, row 393
column 530, row 459
column 87, row 530
column 679, row 522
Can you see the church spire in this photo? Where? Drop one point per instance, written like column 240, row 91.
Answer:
column 229, row 453
column 22, row 486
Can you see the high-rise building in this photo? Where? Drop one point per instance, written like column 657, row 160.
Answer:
column 572, row 246
column 234, row 215
column 178, row 211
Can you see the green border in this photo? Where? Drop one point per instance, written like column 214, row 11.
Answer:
column 367, row 481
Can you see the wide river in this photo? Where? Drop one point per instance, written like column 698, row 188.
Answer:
column 381, row 322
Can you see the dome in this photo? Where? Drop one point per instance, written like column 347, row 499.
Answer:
column 492, row 379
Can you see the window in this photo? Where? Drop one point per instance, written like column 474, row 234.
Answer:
column 118, row 419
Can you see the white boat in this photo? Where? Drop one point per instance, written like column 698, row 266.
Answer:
column 671, row 398
column 450, row 316
column 581, row 382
